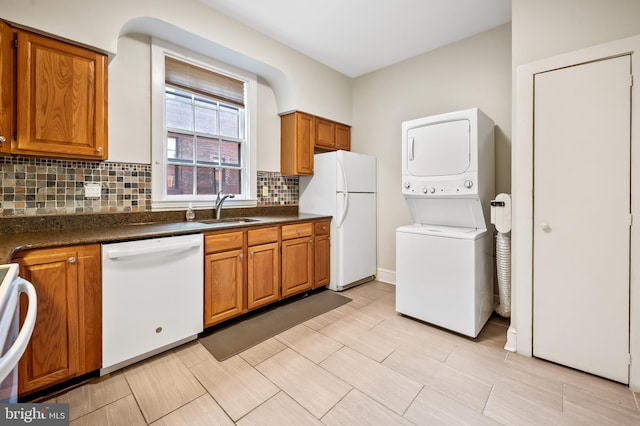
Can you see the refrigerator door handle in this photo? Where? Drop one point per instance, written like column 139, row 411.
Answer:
column 344, row 175
column 343, row 214
column 346, row 194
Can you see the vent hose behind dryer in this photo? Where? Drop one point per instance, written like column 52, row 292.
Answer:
column 501, row 218
column 503, row 265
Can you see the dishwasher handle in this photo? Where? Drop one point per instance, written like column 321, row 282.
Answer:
column 119, row 253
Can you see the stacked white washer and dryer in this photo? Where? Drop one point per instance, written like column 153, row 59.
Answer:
column 444, row 261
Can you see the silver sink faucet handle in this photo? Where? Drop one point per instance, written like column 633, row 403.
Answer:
column 220, row 200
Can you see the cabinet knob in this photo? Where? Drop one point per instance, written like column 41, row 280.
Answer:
column 241, row 256
column 2, row 139
column 99, row 149
column 72, row 260
column 251, row 252
column 310, row 241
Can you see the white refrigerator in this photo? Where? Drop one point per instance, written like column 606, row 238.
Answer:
column 343, row 185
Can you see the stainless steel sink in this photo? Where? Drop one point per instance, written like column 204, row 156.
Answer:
column 227, row 221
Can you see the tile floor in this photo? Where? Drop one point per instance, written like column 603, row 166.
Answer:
column 360, row 364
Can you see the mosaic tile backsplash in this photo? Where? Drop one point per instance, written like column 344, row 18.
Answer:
column 275, row 189
column 36, row 186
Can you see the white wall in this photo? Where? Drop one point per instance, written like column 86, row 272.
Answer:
column 288, row 79
column 544, row 28
column 475, row 72
column 130, row 101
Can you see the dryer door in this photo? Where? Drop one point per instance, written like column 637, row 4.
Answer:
column 439, row 149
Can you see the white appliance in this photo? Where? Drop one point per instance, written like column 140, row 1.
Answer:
column 13, row 342
column 343, row 185
column 444, row 262
column 152, row 297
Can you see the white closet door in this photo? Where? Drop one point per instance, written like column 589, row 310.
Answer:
column 581, row 218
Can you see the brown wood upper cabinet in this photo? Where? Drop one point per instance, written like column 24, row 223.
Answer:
column 301, row 134
column 53, row 97
column 298, row 137
column 67, row 337
column 343, row 137
column 332, row 136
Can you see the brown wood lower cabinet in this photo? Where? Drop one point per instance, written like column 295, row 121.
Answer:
column 245, row 270
column 66, row 340
column 297, row 258
column 322, row 255
column 223, row 276
column 263, row 267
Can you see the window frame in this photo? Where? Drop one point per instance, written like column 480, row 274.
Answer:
column 160, row 199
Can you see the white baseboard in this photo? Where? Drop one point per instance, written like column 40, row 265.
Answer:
column 386, row 276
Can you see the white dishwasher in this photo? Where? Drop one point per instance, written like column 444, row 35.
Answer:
column 152, row 297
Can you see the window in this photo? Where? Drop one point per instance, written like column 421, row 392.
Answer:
column 205, row 141
column 201, row 131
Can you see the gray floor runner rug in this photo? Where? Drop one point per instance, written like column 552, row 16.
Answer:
column 237, row 337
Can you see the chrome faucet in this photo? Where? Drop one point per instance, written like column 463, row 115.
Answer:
column 219, row 201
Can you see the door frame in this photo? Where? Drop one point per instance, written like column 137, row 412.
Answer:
column 520, row 334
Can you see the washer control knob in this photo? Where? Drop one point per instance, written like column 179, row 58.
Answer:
column 407, row 185
column 425, row 189
column 432, row 190
column 468, row 183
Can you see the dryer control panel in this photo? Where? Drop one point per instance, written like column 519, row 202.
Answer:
column 434, row 187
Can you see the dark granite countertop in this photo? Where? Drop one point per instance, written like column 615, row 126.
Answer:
column 54, row 231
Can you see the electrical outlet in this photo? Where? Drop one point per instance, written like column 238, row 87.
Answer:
column 92, row 190
column 265, row 191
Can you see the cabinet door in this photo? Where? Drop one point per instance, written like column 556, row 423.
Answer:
column 52, row 355
column 297, row 265
column 343, row 137
column 322, row 261
column 305, row 141
column 62, row 99
column 90, row 309
column 263, row 275
column 6, row 88
column 325, row 133
column 297, row 139
column 222, row 286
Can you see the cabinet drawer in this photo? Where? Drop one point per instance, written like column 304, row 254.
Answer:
column 262, row 236
column 297, row 230
column 222, row 241
column 322, row 228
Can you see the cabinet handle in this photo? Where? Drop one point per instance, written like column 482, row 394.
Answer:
column 99, row 149
column 241, row 256
column 324, row 228
column 72, row 260
column 251, row 252
column 2, row 139
column 298, row 231
column 310, row 241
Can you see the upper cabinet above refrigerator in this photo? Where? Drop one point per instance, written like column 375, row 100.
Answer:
column 304, row 134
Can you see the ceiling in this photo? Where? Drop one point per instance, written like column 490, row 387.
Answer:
column 355, row 37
